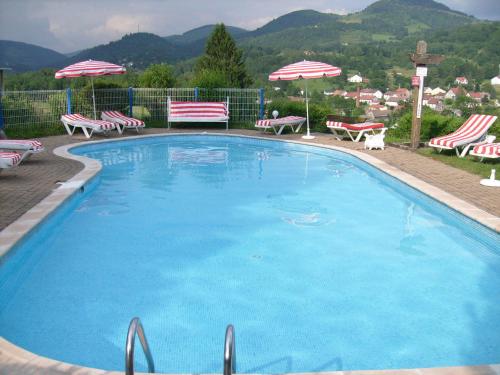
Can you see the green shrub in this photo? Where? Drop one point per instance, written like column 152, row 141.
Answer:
column 433, row 125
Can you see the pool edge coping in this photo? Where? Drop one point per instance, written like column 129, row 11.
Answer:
column 20, row 228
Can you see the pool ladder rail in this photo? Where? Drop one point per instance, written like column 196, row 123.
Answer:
column 229, row 351
column 135, row 328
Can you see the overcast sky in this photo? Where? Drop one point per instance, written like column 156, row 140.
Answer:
column 69, row 25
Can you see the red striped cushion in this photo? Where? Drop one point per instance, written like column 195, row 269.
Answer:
column 120, row 118
column 76, row 117
column 32, row 145
column 487, row 149
column 474, row 128
column 198, row 110
column 355, row 127
column 280, row 121
column 10, row 158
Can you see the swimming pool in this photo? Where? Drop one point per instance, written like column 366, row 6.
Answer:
column 320, row 261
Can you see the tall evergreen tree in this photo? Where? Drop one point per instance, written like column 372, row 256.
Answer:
column 222, row 56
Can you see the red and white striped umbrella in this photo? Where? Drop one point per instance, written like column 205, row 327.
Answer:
column 305, row 70
column 90, row 68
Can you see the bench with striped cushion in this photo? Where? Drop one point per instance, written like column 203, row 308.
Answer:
column 475, row 128
column 278, row 124
column 360, row 128
column 9, row 159
column 121, row 121
column 78, row 121
column 198, row 112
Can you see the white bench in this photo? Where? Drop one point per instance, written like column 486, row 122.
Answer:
column 198, row 112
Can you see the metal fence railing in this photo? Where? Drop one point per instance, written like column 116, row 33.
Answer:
column 43, row 109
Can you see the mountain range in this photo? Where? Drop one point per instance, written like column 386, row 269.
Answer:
column 387, row 28
column 382, row 20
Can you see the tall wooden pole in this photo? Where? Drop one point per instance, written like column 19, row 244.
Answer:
column 421, row 59
column 417, row 99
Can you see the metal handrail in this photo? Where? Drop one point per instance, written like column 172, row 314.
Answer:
column 134, row 328
column 229, row 351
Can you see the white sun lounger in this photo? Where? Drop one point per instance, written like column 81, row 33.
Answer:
column 352, row 129
column 488, row 150
column 9, row 160
column 121, row 121
column 89, row 126
column 472, row 130
column 278, row 124
column 25, row 147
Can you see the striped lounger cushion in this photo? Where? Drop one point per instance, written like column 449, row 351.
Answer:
column 198, row 111
column 79, row 120
column 289, row 120
column 471, row 130
column 491, row 150
column 18, row 144
column 9, row 159
column 354, row 127
column 120, row 118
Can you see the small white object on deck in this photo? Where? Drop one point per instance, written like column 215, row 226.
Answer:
column 375, row 140
column 490, row 181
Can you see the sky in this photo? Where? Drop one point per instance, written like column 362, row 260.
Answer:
column 71, row 25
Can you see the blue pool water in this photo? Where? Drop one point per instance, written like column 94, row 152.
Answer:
column 320, row 261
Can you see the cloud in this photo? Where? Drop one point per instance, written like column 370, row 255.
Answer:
column 76, row 24
column 341, row 11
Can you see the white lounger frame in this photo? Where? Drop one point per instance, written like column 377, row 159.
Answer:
column 349, row 131
column 465, row 148
column 84, row 126
column 281, row 127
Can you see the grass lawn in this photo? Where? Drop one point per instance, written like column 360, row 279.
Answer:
column 469, row 163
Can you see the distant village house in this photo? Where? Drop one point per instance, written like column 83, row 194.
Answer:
column 355, row 78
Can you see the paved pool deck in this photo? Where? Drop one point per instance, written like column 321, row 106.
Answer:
column 31, row 191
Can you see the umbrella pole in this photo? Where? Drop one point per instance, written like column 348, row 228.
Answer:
column 93, row 96
column 308, row 135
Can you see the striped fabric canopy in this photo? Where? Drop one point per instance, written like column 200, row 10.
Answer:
column 306, row 70
column 90, row 68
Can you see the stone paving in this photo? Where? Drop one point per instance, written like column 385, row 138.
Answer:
column 23, row 187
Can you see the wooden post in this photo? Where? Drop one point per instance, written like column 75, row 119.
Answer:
column 420, row 59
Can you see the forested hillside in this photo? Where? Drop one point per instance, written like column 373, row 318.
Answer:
column 23, row 56
column 374, row 42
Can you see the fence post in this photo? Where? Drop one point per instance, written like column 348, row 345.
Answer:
column 68, row 100
column 196, row 94
column 261, row 104
column 1, row 117
column 131, row 102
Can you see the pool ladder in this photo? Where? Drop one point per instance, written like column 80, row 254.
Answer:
column 135, row 328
